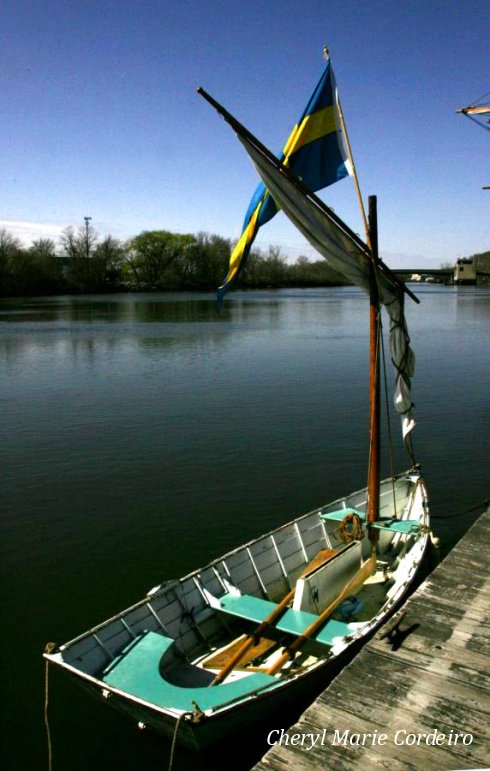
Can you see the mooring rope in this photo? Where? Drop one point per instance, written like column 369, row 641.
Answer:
column 48, row 649
column 479, row 505
column 174, row 738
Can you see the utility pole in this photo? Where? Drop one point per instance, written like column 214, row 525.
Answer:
column 87, row 243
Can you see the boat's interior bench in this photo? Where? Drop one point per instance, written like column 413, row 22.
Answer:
column 340, row 514
column 293, row 622
column 135, row 670
column 394, row 525
column 405, row 526
column 318, row 586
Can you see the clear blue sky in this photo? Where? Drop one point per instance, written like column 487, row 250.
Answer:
column 100, row 115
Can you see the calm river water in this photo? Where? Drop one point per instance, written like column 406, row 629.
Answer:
column 142, row 435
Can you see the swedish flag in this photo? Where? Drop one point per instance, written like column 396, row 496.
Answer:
column 314, row 152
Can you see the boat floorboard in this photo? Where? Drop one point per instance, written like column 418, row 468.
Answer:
column 431, row 672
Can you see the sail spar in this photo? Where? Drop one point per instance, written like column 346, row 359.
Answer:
column 346, row 255
column 343, row 250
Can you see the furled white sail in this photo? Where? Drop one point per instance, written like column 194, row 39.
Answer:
column 351, row 260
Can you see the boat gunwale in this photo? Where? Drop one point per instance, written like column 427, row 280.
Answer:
column 413, row 475
column 105, row 690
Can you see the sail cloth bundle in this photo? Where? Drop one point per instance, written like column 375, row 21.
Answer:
column 349, row 257
column 342, row 248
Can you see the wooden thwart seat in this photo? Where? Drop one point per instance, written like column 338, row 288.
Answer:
column 293, row 622
column 269, row 615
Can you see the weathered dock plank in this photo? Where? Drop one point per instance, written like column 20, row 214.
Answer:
column 433, row 679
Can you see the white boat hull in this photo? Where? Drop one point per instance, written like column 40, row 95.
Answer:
column 191, row 621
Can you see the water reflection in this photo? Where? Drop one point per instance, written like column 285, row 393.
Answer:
column 168, row 307
column 96, row 325
column 144, row 435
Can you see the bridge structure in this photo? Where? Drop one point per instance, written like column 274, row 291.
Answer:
column 423, row 271
column 441, row 275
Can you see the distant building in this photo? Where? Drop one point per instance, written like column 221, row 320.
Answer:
column 465, row 271
column 415, row 277
column 482, row 264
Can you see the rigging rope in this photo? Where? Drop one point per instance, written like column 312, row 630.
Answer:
column 380, row 347
column 479, row 505
column 481, row 97
column 388, row 421
column 371, row 416
column 48, row 649
column 483, row 125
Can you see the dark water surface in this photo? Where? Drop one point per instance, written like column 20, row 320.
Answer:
column 143, row 435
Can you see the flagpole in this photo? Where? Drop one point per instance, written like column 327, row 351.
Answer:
column 351, row 159
column 371, row 229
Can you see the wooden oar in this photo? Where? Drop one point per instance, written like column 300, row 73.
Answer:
column 253, row 637
column 355, row 583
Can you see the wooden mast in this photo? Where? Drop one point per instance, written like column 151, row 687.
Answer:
column 374, row 388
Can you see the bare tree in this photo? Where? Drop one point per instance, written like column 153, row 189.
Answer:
column 10, row 248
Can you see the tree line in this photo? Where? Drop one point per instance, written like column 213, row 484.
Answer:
column 156, row 260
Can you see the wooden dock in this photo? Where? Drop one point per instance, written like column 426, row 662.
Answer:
column 431, row 676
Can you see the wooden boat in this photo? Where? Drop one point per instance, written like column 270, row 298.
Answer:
column 222, row 648
column 157, row 660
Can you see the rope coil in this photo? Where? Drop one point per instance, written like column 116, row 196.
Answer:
column 350, row 528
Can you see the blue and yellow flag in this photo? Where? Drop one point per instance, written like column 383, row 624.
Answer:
column 314, row 152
